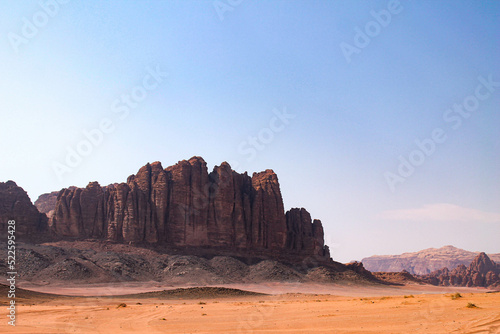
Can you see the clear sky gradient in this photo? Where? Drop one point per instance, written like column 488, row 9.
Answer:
column 358, row 94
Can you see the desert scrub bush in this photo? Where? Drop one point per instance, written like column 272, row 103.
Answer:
column 410, row 296
column 456, row 296
column 471, row 305
column 121, row 305
column 202, row 303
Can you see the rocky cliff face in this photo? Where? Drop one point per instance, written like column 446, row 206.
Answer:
column 423, row 262
column 47, row 202
column 304, row 236
column 481, row 272
column 184, row 206
column 15, row 204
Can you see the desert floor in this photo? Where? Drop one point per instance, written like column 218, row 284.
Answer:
column 318, row 309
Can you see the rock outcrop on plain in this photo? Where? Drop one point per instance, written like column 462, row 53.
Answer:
column 481, row 272
column 184, row 207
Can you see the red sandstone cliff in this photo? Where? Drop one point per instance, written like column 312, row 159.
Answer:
column 16, row 205
column 184, row 206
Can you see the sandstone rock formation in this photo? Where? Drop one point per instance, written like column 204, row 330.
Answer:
column 481, row 272
column 358, row 267
column 402, row 277
column 424, row 261
column 15, row 204
column 47, row 202
column 186, row 207
column 304, row 236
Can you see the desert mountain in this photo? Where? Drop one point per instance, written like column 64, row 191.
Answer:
column 183, row 208
column 424, row 261
column 183, row 224
column 481, row 272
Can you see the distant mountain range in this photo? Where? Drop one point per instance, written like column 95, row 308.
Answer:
column 423, row 262
column 481, row 272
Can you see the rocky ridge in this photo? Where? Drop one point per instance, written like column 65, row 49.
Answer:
column 187, row 209
column 423, row 262
column 481, row 272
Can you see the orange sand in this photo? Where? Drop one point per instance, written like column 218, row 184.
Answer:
column 431, row 312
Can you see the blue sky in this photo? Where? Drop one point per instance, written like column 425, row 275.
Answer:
column 226, row 69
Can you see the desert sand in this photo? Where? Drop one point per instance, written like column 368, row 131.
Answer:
column 339, row 309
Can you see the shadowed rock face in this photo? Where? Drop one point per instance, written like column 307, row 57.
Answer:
column 15, row 204
column 304, row 236
column 184, row 206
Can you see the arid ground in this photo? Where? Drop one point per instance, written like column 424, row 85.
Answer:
column 278, row 309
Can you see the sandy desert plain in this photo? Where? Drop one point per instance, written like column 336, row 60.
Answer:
column 271, row 308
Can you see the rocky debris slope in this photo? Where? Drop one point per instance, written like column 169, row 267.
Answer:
column 482, row 272
column 186, row 207
column 104, row 262
column 423, row 262
column 16, row 205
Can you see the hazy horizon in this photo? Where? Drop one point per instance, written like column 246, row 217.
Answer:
column 380, row 118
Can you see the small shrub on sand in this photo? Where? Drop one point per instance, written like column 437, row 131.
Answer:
column 202, row 303
column 121, row 305
column 470, row 305
column 410, row 296
column 456, row 296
